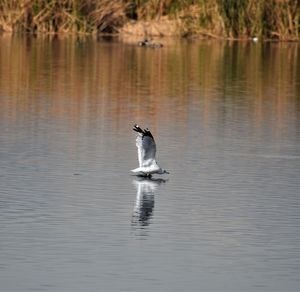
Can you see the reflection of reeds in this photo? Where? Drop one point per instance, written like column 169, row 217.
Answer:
column 117, row 81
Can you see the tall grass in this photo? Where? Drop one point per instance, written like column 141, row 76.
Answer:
column 273, row 19
column 278, row 19
column 58, row 16
column 267, row 18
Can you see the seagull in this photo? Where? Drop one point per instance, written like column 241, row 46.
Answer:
column 146, row 154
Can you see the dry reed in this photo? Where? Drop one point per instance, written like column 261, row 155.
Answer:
column 59, row 16
column 272, row 19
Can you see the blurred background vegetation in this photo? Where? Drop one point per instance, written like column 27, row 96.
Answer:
column 269, row 19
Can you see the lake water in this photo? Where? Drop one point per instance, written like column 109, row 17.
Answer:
column 226, row 119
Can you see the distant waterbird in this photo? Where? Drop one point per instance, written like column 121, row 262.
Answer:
column 146, row 154
column 149, row 44
column 144, row 43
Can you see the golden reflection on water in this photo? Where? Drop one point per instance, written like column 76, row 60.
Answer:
column 76, row 77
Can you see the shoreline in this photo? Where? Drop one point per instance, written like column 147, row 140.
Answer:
column 140, row 37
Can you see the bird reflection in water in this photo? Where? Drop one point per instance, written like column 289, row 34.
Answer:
column 144, row 202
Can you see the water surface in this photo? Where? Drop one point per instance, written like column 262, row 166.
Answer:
column 226, row 118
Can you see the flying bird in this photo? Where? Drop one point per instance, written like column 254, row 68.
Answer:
column 146, row 154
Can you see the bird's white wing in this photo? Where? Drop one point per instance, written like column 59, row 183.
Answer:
column 146, row 147
column 140, row 149
column 146, row 150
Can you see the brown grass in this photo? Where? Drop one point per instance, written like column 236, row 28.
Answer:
column 271, row 19
column 61, row 16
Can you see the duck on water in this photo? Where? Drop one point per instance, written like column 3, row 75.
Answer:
column 149, row 44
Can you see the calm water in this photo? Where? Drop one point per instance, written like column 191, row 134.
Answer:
column 226, row 118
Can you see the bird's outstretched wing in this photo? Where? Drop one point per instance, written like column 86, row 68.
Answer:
column 146, row 147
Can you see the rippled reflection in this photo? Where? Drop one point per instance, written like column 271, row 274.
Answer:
column 144, row 202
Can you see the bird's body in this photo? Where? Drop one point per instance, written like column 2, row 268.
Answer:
column 145, row 171
column 144, row 43
column 149, row 44
column 146, row 154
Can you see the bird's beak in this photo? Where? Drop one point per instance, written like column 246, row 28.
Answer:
column 167, row 172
